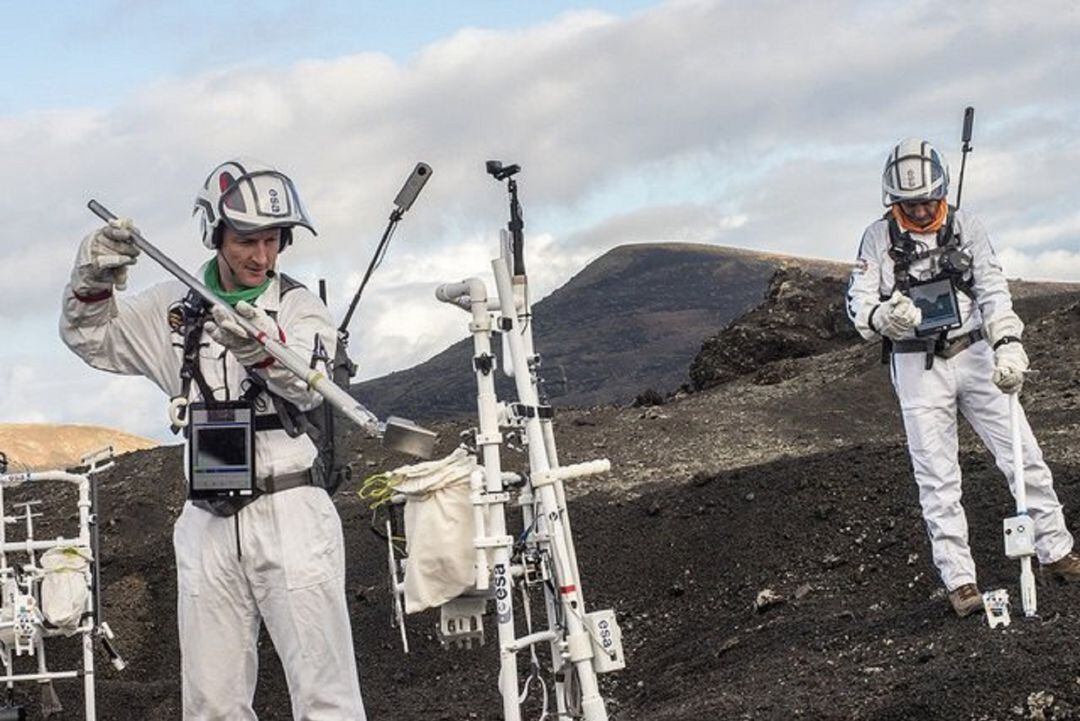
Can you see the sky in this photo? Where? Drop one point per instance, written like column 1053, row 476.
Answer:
column 757, row 125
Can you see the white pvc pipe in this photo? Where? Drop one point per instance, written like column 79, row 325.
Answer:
column 489, row 439
column 47, row 676
column 592, row 703
column 534, row 638
column 1027, row 576
column 476, row 487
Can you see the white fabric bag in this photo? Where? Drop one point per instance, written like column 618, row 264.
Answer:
column 439, row 528
column 65, row 587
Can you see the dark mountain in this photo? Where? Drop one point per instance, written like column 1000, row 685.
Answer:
column 801, row 316
column 631, row 320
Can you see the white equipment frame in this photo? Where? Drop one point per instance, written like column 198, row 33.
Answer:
column 581, row 645
column 22, row 625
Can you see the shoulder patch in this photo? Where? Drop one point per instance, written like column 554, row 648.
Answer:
column 176, row 316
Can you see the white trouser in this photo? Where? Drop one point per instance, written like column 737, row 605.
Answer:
column 929, row 400
column 290, row 574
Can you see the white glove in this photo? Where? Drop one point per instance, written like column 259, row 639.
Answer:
column 1010, row 364
column 111, row 252
column 232, row 335
column 897, row 316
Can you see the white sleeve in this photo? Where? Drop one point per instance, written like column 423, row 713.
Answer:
column 302, row 318
column 129, row 336
column 988, row 281
column 864, row 286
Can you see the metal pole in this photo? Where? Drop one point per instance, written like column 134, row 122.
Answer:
column 316, row 380
column 488, row 440
column 969, row 122
column 577, row 637
column 1027, row 577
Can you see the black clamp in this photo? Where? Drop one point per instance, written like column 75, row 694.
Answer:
column 484, row 363
column 543, row 412
column 523, row 411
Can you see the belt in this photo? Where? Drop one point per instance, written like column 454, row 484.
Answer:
column 940, row 347
column 273, row 484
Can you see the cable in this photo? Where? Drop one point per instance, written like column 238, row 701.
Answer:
column 376, row 490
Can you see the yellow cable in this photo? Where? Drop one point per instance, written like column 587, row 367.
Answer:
column 376, row 490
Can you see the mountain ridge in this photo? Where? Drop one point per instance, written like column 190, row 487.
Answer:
column 630, row 320
column 48, row 446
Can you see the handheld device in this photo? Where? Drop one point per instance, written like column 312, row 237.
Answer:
column 221, row 452
column 939, row 305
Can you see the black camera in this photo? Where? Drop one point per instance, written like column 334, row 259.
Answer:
column 496, row 169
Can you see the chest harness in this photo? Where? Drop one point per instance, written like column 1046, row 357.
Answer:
column 949, row 262
column 193, row 313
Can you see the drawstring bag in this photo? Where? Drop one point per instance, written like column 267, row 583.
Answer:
column 65, row 587
column 439, row 529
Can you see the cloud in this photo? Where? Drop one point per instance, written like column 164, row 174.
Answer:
column 694, row 120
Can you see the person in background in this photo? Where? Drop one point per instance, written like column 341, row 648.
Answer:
column 939, row 364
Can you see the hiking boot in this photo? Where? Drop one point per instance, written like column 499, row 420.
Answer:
column 1066, row 568
column 966, row 599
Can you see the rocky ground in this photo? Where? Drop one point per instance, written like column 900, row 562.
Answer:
column 791, row 478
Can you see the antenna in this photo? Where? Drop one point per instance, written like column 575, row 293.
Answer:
column 969, row 121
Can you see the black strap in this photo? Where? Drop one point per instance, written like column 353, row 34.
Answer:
column 941, row 347
column 276, row 484
column 1005, row 340
column 268, row 423
column 904, row 251
column 194, row 311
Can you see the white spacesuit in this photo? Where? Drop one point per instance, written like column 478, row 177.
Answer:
column 278, row 559
column 969, row 362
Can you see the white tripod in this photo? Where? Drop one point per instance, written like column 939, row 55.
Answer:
column 581, row 644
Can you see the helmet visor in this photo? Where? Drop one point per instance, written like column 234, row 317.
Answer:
column 259, row 201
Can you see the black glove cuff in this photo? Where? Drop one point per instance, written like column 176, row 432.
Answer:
column 870, row 318
column 1006, row 339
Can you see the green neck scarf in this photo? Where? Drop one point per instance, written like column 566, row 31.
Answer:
column 213, row 281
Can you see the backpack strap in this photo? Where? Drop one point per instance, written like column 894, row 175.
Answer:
column 194, row 314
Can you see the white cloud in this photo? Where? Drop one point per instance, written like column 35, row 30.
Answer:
column 1060, row 265
column 695, row 120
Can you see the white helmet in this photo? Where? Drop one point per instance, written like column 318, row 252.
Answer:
column 248, row 196
column 915, row 170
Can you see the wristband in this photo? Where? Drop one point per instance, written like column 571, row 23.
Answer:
column 870, row 318
column 1004, row 340
column 93, row 296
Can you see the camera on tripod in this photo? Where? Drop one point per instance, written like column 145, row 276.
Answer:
column 496, row 169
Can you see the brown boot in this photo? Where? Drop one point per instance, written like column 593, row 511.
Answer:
column 1066, row 568
column 966, row 599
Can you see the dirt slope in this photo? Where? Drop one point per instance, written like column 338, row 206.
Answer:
column 797, row 481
